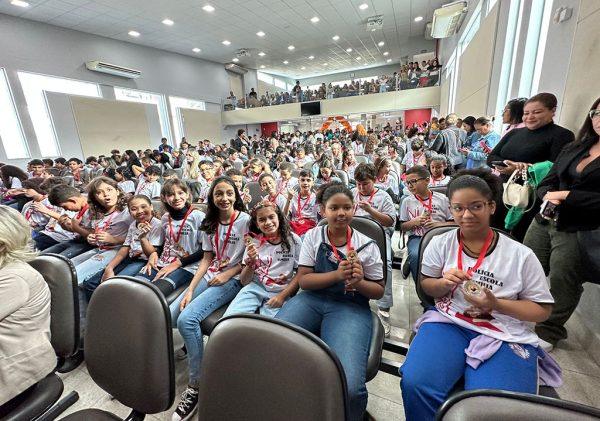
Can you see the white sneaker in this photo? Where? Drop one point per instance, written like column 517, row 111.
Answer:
column 383, row 313
column 187, row 405
column 546, row 346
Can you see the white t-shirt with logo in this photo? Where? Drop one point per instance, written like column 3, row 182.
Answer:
column 411, row 208
column 234, row 250
column 116, row 224
column 280, row 200
column 380, row 201
column 189, row 239
column 369, row 257
column 510, row 270
column 284, row 185
column 308, row 206
column 439, row 183
column 55, row 231
column 275, row 264
column 38, row 220
column 389, row 182
column 156, row 236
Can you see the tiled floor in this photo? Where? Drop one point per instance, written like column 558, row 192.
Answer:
column 581, row 374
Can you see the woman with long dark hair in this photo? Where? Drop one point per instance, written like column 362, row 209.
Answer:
column 572, row 188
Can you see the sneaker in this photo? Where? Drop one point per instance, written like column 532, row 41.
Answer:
column 546, row 346
column 405, row 268
column 384, row 313
column 387, row 328
column 181, row 354
column 187, row 405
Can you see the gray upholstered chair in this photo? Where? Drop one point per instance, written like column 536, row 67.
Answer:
column 361, row 159
column 343, row 176
column 501, row 405
column 249, row 354
column 129, row 348
column 256, row 193
column 43, row 397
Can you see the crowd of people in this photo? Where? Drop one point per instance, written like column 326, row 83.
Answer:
column 186, row 216
column 410, row 76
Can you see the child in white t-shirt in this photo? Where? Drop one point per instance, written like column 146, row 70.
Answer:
column 268, row 185
column 150, row 187
column 216, row 282
column 486, row 288
column 270, row 259
column 302, row 206
column 437, row 167
column 286, row 181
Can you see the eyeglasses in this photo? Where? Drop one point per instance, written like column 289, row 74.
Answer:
column 414, row 181
column 594, row 113
column 474, row 208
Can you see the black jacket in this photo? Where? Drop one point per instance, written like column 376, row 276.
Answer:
column 581, row 210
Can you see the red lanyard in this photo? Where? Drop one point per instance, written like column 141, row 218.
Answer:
column 326, row 180
column 416, row 159
column 29, row 211
column 283, row 186
column 141, row 187
column 220, row 255
column 176, row 239
column 368, row 200
column 348, row 244
column 429, row 206
column 106, row 225
column 82, row 211
column 433, row 180
column 484, row 250
column 301, row 208
column 273, row 199
column 383, row 180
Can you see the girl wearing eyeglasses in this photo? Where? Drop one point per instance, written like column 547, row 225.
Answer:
column 573, row 184
column 486, row 288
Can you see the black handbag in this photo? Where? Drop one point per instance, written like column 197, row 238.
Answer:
column 589, row 246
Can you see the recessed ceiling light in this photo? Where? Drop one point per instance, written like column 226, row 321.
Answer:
column 168, row 22
column 196, row 50
column 363, row 6
column 291, row 47
column 418, row 18
column 336, row 37
column 134, row 33
column 385, row 53
column 262, row 66
column 389, row 60
column 235, row 59
column 311, row 57
column 314, row 19
column 302, row 68
column 260, row 34
column 348, row 50
column 325, row 64
column 226, row 42
column 208, row 8
column 19, row 3
column 285, row 62
column 261, row 54
column 381, row 43
column 359, row 58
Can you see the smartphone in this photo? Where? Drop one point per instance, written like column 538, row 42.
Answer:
column 549, row 210
column 499, row 164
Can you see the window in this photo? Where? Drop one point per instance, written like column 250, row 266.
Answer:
column 264, row 77
column 541, row 46
column 177, row 104
column 11, row 131
column 280, row 83
column 35, row 87
column 143, row 97
column 470, row 30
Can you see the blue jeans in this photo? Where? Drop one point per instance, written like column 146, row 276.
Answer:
column 206, row 300
column 43, row 241
column 345, row 325
column 412, row 246
column 252, row 297
column 436, row 362
column 70, row 249
column 128, row 267
column 171, row 282
column 92, row 263
column 387, row 300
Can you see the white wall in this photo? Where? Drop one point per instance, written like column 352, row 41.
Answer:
column 41, row 48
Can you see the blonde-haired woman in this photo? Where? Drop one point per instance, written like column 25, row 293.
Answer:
column 191, row 170
column 26, row 355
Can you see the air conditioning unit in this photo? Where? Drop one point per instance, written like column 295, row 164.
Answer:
column 447, row 19
column 374, row 23
column 112, row 69
column 234, row 68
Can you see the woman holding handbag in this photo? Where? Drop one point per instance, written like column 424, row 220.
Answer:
column 571, row 194
column 540, row 140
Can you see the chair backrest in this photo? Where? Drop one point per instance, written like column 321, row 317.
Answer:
column 425, row 240
column 343, row 175
column 296, row 172
column 179, row 172
column 361, row 158
column 492, row 405
column 439, row 189
column 59, row 273
column 262, row 158
column 371, row 229
column 158, row 207
column 129, row 344
column 260, row 368
column 308, row 166
column 256, row 193
column 69, row 180
column 238, row 165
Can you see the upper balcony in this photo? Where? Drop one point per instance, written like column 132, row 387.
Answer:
column 407, row 99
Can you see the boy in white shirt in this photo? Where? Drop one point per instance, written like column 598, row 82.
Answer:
column 286, row 181
column 420, row 212
column 150, row 187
